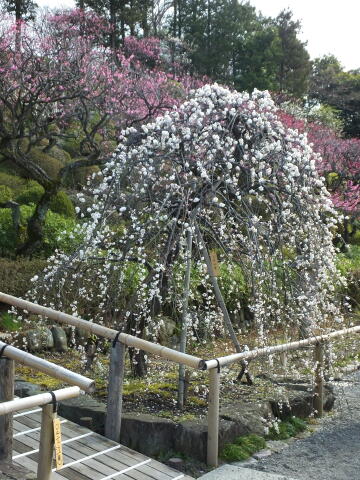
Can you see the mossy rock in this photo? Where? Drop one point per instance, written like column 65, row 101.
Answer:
column 12, row 181
column 60, row 154
column 62, row 205
column 51, row 165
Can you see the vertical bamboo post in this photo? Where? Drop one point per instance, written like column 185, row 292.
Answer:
column 183, row 334
column 46, row 449
column 222, row 305
column 213, row 418
column 327, row 359
column 6, row 421
column 115, row 389
column 319, row 379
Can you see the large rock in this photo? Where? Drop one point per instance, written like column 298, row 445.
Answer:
column 60, row 340
column 300, row 400
column 26, row 389
column 249, row 417
column 148, row 434
column 167, row 331
column 81, row 336
column 39, row 339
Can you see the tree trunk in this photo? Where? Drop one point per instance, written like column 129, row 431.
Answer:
column 35, row 227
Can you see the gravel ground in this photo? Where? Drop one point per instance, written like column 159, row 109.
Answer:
column 333, row 451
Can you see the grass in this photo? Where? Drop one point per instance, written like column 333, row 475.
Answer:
column 242, row 448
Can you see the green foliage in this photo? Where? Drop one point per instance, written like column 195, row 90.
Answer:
column 5, row 194
column 62, row 205
column 233, row 285
column 331, row 85
column 243, row 447
column 286, row 429
column 31, row 195
column 59, row 232
column 349, row 261
column 9, row 323
column 16, row 274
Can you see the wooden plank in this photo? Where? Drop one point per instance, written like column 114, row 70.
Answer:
column 97, row 468
column 32, row 466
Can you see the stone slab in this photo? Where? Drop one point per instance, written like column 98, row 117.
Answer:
column 232, row 472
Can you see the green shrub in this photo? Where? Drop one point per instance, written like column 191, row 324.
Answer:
column 8, row 237
column 286, row 429
column 243, row 447
column 234, row 453
column 31, row 195
column 62, row 205
column 6, row 193
column 16, row 275
column 58, row 232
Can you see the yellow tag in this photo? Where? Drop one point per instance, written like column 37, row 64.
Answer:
column 214, row 263
column 58, row 447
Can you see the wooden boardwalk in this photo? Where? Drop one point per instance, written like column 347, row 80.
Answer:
column 87, row 455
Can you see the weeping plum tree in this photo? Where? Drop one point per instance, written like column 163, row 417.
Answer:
column 222, row 173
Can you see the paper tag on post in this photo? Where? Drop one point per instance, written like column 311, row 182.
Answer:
column 57, row 441
column 214, row 263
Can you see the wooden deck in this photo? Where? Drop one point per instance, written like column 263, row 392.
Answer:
column 87, row 455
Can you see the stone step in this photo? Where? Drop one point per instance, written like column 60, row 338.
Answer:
column 233, row 472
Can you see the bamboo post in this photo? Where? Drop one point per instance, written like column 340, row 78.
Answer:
column 181, row 390
column 213, row 418
column 319, row 379
column 327, row 360
column 46, row 448
column 6, row 421
column 221, row 302
column 115, row 388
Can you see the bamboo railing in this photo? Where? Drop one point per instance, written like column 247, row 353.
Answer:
column 44, row 400
column 8, row 356
column 117, row 365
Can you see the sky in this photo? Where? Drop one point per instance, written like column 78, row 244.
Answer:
column 328, row 26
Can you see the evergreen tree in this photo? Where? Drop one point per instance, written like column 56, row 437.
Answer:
column 22, row 9
column 293, row 61
column 331, row 85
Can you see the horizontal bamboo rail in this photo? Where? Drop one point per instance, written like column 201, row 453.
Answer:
column 284, row 347
column 38, row 400
column 99, row 330
column 49, row 368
